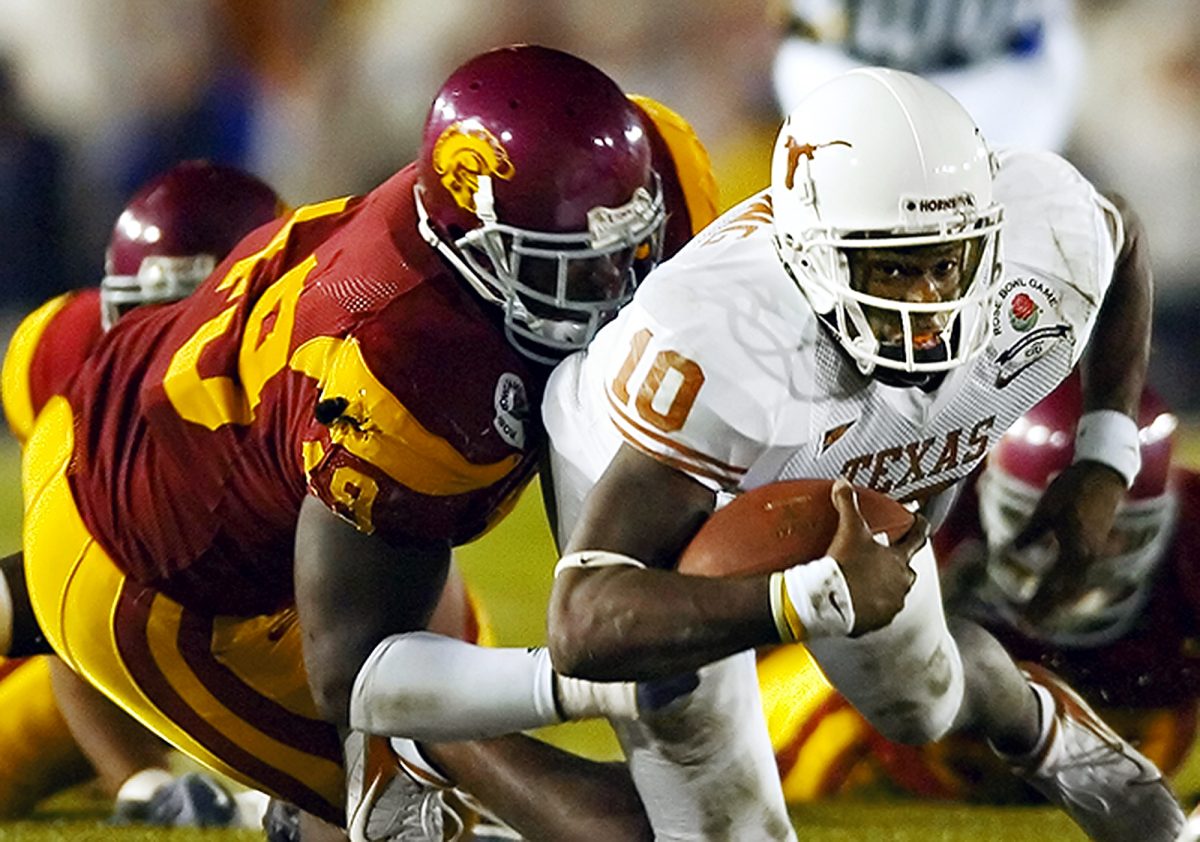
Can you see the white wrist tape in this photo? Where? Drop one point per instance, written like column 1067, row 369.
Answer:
column 595, row 558
column 811, row 600
column 579, row 698
column 436, row 688
column 6, row 617
column 1111, row 438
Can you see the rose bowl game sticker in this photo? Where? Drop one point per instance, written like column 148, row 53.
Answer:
column 1026, row 324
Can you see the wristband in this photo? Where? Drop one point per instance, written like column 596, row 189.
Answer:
column 1110, row 438
column 811, row 600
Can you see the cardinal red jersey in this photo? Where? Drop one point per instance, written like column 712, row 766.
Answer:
column 1157, row 663
column 331, row 352
column 46, row 350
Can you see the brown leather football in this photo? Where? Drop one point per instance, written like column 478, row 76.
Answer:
column 775, row 526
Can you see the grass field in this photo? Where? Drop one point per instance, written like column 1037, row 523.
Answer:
column 510, row 571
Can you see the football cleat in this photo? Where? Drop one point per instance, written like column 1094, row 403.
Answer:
column 476, row 822
column 1110, row 790
column 191, row 800
column 385, row 801
column 281, row 822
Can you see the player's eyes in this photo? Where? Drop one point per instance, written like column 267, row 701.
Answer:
column 945, row 267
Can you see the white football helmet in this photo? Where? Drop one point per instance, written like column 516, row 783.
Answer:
column 876, row 159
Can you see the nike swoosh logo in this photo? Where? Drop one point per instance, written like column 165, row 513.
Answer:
column 1003, row 379
column 833, row 600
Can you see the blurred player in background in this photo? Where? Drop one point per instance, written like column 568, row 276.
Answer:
column 1015, row 65
column 170, row 235
column 350, row 394
column 1125, row 642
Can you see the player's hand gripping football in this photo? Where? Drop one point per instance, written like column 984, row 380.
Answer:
column 1077, row 511
column 877, row 576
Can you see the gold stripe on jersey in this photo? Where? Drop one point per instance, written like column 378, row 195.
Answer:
column 839, row 738
column 243, row 644
column 18, row 360
column 75, row 588
column 162, row 632
column 237, row 279
column 690, row 460
column 815, row 735
column 692, row 164
column 312, row 452
column 381, row 431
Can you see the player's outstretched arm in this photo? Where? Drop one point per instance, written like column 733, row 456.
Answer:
column 354, row 590
column 619, row 612
column 1079, row 505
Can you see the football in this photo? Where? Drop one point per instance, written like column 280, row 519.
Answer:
column 777, row 525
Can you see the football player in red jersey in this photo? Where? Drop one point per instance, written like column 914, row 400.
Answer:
column 1125, row 642
column 167, row 239
column 347, row 397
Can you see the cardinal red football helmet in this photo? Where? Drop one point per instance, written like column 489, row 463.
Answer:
column 1025, row 460
column 176, row 229
column 535, row 182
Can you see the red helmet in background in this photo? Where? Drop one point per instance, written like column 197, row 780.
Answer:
column 176, row 229
column 1030, row 454
column 535, row 182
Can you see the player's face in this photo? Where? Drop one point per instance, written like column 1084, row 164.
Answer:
column 588, row 280
column 921, row 274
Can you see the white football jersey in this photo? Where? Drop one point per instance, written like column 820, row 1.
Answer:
column 720, row 367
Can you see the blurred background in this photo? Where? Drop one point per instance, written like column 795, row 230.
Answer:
column 327, row 97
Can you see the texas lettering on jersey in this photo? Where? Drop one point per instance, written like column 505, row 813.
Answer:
column 914, row 461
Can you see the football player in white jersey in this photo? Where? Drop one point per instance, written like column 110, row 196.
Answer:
column 858, row 319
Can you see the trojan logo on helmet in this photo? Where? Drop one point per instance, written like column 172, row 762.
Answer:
column 535, row 183
column 465, row 152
